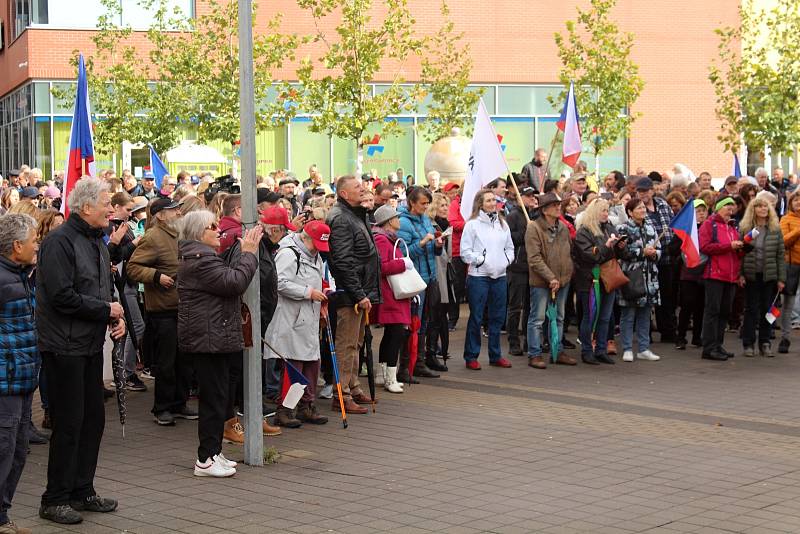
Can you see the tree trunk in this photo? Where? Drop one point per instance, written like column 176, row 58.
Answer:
column 359, row 159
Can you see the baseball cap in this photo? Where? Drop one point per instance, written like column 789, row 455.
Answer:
column 644, row 184
column 319, row 232
column 148, row 176
column 527, row 191
column 52, row 192
column 265, row 195
column 449, row 186
column 161, row 204
column 29, row 192
column 731, row 180
column 277, row 215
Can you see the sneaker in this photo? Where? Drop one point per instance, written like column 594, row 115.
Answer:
column 749, row 352
column 363, row 370
column 224, row 461
column 648, row 355
column 213, row 468
column 147, row 374
column 627, row 356
column 796, row 325
column 502, row 362
column 766, row 350
column 474, row 365
column 783, row 346
column 186, row 413
column 60, row 513
column 680, row 344
column 134, row 383
column 165, row 419
column 326, row 392
column 12, row 528
column 95, row 503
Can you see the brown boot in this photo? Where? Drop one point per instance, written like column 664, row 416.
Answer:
column 537, row 362
column 285, row 417
column 563, row 359
column 234, row 431
column 269, row 430
column 349, row 406
column 363, row 398
column 307, row 413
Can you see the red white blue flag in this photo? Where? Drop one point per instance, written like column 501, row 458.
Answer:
column 684, row 224
column 737, row 169
column 773, row 314
column 569, row 123
column 80, row 160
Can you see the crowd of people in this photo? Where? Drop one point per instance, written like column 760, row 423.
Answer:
column 166, row 267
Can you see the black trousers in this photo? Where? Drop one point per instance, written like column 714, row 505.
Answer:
column 692, row 299
column 519, row 307
column 173, row 371
column 394, row 337
column 459, row 288
column 665, row 313
column 78, row 417
column 719, row 299
column 236, row 383
column 213, row 378
column 438, row 330
column 758, row 297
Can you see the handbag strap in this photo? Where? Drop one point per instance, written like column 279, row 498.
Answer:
column 394, row 250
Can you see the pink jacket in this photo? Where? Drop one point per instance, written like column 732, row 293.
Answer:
column 457, row 222
column 723, row 262
column 391, row 310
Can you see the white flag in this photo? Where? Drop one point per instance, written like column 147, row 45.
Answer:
column 486, row 160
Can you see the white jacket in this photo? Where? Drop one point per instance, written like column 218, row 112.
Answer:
column 486, row 246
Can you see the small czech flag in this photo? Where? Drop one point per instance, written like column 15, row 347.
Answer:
column 773, row 314
column 751, row 235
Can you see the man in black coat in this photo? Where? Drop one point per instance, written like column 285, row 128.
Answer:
column 355, row 266
column 75, row 310
column 517, row 274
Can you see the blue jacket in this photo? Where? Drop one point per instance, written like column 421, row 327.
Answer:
column 412, row 229
column 19, row 355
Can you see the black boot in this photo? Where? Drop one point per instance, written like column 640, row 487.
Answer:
column 285, row 417
column 308, row 413
column 402, row 369
column 420, row 369
column 433, row 363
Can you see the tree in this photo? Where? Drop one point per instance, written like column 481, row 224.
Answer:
column 446, row 68
column 596, row 56
column 341, row 98
column 756, row 78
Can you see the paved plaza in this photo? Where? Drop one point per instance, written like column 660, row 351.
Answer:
column 680, row 445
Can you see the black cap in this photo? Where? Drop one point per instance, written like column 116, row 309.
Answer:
column 160, row 204
column 655, row 177
column 13, row 172
column 285, row 181
column 265, row 195
column 731, row 180
column 318, row 191
column 644, row 184
column 528, row 191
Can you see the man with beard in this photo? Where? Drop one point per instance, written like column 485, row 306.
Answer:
column 536, row 169
column 289, row 191
column 155, row 264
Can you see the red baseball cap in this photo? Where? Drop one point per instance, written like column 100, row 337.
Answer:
column 319, row 232
column 277, row 215
column 449, row 185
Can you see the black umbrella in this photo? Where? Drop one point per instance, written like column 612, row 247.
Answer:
column 118, row 367
column 370, row 365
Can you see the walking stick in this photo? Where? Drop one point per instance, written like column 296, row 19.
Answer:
column 336, row 370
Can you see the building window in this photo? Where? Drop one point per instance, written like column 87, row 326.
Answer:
column 27, row 12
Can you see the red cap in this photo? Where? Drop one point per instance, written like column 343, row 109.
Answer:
column 319, row 232
column 277, row 215
column 449, row 186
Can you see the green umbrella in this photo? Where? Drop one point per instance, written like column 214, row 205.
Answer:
column 552, row 315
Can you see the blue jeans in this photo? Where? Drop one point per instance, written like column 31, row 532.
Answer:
column 605, row 311
column 540, row 296
column 640, row 316
column 480, row 290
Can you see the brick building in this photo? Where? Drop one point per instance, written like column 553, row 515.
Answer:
column 515, row 61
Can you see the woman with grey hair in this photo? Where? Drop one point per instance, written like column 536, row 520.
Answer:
column 210, row 325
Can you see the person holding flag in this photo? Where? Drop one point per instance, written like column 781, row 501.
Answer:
column 293, row 332
column 691, row 286
column 763, row 274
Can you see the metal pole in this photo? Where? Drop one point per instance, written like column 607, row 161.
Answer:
column 253, row 440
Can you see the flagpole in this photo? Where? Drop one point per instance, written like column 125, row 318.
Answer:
column 516, row 190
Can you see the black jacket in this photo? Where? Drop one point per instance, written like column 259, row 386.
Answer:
column 590, row 250
column 73, row 290
column 517, row 224
column 353, row 259
column 268, row 277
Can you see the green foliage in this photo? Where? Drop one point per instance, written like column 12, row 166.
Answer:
column 271, row 455
column 446, row 70
column 190, row 81
column 335, row 86
column 596, row 56
column 757, row 78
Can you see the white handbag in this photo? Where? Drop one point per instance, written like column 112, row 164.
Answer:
column 407, row 284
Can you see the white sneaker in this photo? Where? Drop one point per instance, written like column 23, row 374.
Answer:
column 795, row 326
column 326, row 392
column 648, row 355
column 627, row 356
column 224, row 461
column 211, row 468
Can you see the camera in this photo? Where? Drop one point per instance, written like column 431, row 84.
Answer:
column 225, row 184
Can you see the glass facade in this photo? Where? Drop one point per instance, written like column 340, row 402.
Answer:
column 36, row 126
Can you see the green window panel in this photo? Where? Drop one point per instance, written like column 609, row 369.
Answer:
column 517, row 140
column 385, row 155
column 527, row 100
column 308, row 148
column 41, row 97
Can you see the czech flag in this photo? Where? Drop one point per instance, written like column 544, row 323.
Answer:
column 773, row 314
column 80, row 160
column 292, row 386
column 752, row 234
column 684, row 224
column 568, row 123
column 737, row 169
column 157, row 167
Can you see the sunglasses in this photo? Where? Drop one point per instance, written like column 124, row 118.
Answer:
column 213, row 227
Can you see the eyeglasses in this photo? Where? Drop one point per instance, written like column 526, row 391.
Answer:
column 213, row 227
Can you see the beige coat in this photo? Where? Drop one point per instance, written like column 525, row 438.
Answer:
column 549, row 253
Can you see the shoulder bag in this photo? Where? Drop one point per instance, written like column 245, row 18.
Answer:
column 407, row 284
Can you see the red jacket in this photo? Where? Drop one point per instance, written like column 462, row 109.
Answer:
column 391, row 310
column 229, row 231
column 723, row 262
column 457, row 222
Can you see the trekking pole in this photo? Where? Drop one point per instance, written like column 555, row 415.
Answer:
column 336, row 370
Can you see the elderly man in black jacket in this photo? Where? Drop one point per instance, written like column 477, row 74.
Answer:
column 75, row 309
column 517, row 275
column 355, row 266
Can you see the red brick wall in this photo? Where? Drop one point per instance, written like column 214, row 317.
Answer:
column 512, row 42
